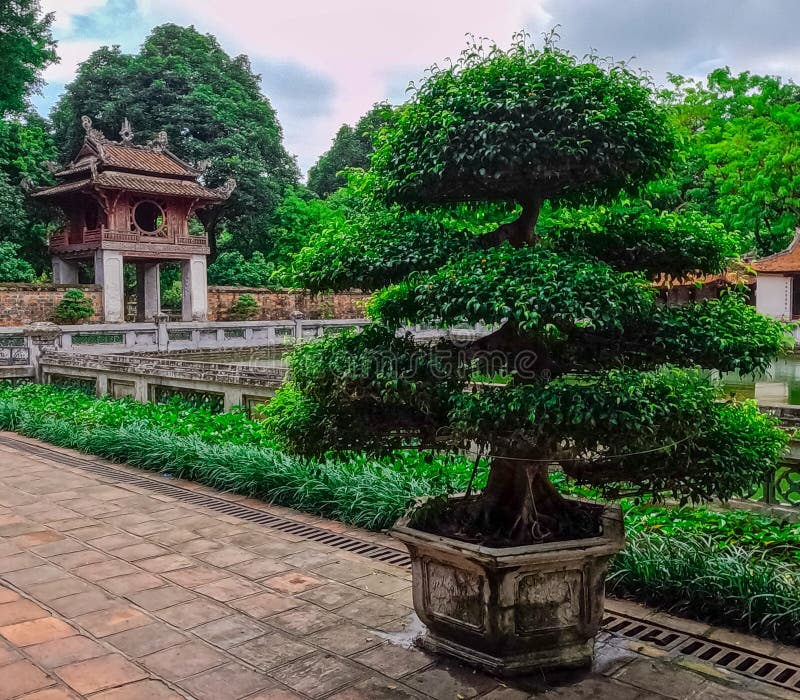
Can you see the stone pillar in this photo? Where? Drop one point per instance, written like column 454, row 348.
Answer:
column 195, row 289
column 148, row 291
column 108, row 268
column 64, row 271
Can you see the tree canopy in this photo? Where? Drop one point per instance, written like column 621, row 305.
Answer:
column 593, row 370
column 210, row 105
column 26, row 47
column 351, row 148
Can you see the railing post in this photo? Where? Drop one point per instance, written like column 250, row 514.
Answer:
column 162, row 334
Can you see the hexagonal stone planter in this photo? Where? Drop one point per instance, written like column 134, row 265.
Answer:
column 512, row 610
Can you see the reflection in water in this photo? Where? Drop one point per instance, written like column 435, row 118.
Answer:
column 781, row 383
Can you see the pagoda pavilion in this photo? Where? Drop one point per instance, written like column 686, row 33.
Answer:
column 127, row 203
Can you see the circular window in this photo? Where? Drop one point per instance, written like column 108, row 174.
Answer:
column 148, row 216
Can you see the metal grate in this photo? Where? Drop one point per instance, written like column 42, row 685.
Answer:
column 748, row 663
column 370, row 550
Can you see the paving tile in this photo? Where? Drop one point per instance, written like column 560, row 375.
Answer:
column 145, row 640
column 346, row 639
column 275, row 694
column 196, row 576
column 226, row 556
column 22, row 677
column 140, row 690
column 19, row 611
column 115, row 619
column 344, row 571
column 274, row 547
column 104, row 569
column 304, row 620
column 78, row 558
column 332, row 595
column 173, row 537
column 130, row 583
column 196, row 545
column 381, row 584
column 598, row 687
column 45, row 629
column 101, row 673
column 160, row 598
column 93, row 532
column 319, row 674
column 7, row 595
column 292, row 582
column 373, row 611
column 37, row 574
column 260, row 568
column 8, row 655
column 32, row 539
column 142, row 550
column 376, row 688
column 165, row 563
column 60, row 652
column 658, row 677
column 183, row 660
column 195, row 612
column 229, row 682
column 448, row 681
column 82, row 603
column 271, row 650
column 310, row 558
column 265, row 604
column 394, row 661
column 229, row 631
column 61, row 588
column 54, row 693
column 54, row 549
column 16, row 562
column 229, row 589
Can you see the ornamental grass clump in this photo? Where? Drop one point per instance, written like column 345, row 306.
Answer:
column 603, row 378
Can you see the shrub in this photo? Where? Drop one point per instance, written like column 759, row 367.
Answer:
column 12, row 267
column 74, row 307
column 245, row 307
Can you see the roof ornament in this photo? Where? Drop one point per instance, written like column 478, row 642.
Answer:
column 92, row 133
column 226, row 189
column 52, row 166
column 202, row 165
column 159, row 143
column 126, row 133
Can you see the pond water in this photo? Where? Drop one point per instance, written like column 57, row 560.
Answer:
column 781, row 383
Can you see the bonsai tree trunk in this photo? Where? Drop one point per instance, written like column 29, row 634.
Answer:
column 521, row 504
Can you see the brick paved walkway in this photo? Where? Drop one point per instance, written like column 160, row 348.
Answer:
column 114, row 593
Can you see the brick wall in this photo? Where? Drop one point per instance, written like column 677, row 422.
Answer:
column 277, row 306
column 26, row 303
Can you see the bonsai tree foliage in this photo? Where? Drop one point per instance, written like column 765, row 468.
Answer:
column 600, row 376
column 74, row 307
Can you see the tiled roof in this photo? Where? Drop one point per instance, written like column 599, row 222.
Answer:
column 62, row 188
column 155, row 185
column 786, row 261
column 143, row 159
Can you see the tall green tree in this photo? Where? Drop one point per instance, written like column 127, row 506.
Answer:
column 351, row 148
column 600, row 376
column 739, row 154
column 210, row 105
column 26, row 47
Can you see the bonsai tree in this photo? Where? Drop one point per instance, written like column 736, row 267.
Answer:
column 244, row 308
column 74, row 307
column 600, row 377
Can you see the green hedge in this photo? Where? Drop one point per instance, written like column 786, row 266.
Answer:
column 731, row 567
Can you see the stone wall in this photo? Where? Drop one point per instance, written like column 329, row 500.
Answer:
column 279, row 305
column 25, row 303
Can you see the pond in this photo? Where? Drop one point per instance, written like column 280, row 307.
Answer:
column 781, row 384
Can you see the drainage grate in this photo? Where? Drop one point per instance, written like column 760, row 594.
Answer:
column 370, row 550
column 742, row 661
column 736, row 659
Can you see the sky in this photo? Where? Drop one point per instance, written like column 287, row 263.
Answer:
column 326, row 62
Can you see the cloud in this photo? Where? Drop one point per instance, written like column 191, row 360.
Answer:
column 682, row 36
